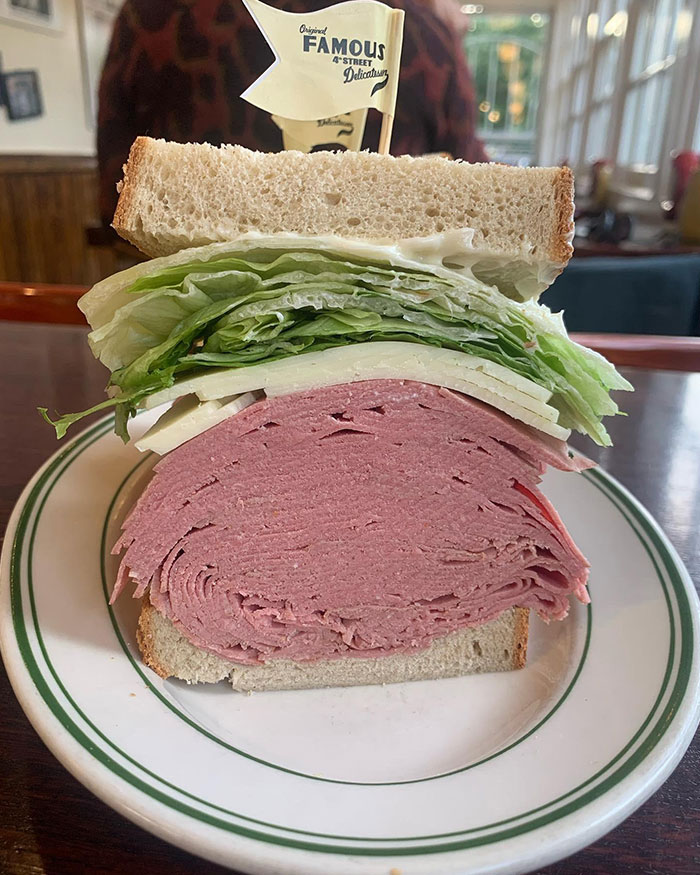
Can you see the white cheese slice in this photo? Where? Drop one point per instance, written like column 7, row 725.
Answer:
column 393, row 359
column 189, row 417
column 513, row 394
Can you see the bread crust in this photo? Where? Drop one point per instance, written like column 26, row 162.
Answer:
column 124, row 214
column 561, row 248
column 146, row 638
column 521, row 637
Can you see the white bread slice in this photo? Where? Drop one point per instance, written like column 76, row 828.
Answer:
column 500, row 645
column 176, row 196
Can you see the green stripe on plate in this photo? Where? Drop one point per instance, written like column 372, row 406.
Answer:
column 644, row 529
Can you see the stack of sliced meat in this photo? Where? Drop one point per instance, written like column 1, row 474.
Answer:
column 362, row 519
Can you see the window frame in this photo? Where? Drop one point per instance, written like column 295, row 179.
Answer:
column 681, row 116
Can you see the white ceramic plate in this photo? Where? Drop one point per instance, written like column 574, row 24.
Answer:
column 494, row 773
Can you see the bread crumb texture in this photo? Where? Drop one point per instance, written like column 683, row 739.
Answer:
column 175, row 196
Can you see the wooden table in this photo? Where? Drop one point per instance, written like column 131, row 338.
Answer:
column 50, row 824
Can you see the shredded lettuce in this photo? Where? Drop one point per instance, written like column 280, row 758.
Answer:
column 238, row 310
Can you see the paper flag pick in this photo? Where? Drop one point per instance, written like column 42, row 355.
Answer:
column 329, row 62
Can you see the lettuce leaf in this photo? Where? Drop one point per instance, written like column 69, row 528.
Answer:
column 238, row 310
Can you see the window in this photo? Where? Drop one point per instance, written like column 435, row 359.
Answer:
column 648, row 84
column 505, row 53
column 587, row 62
column 622, row 87
column 605, row 59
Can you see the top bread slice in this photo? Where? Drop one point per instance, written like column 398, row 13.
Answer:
column 175, row 196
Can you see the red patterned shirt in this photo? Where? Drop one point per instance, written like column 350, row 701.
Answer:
column 175, row 69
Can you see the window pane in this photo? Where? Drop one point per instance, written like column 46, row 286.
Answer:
column 656, row 50
column 598, row 133
column 606, row 68
column 646, row 119
column 563, row 111
column 652, row 155
column 675, row 8
column 604, row 10
column 582, row 45
column 683, row 25
column 629, row 122
column 572, row 152
column 560, row 152
column 642, row 36
column 580, row 91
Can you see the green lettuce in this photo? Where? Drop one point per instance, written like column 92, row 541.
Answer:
column 238, row 310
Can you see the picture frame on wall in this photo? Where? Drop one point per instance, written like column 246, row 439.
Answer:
column 42, row 14
column 22, row 95
column 96, row 20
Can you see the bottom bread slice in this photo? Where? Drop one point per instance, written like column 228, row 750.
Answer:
column 500, row 645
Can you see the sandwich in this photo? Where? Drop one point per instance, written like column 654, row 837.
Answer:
column 362, row 397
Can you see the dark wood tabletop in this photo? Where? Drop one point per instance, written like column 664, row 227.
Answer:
column 50, row 824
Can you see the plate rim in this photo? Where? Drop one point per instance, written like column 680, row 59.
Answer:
column 686, row 710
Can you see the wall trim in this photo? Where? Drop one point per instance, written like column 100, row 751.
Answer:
column 16, row 164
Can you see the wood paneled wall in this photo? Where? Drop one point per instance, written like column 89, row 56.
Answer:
column 46, row 205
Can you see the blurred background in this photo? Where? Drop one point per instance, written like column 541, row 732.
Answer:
column 609, row 87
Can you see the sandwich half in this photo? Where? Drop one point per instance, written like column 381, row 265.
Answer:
column 363, row 397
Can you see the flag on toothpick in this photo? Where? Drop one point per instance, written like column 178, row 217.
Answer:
column 330, row 62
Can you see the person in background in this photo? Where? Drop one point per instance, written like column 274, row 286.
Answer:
column 175, row 69
column 450, row 12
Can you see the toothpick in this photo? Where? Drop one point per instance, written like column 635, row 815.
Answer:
column 385, row 133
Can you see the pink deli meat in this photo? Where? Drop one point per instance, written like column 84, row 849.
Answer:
column 357, row 520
